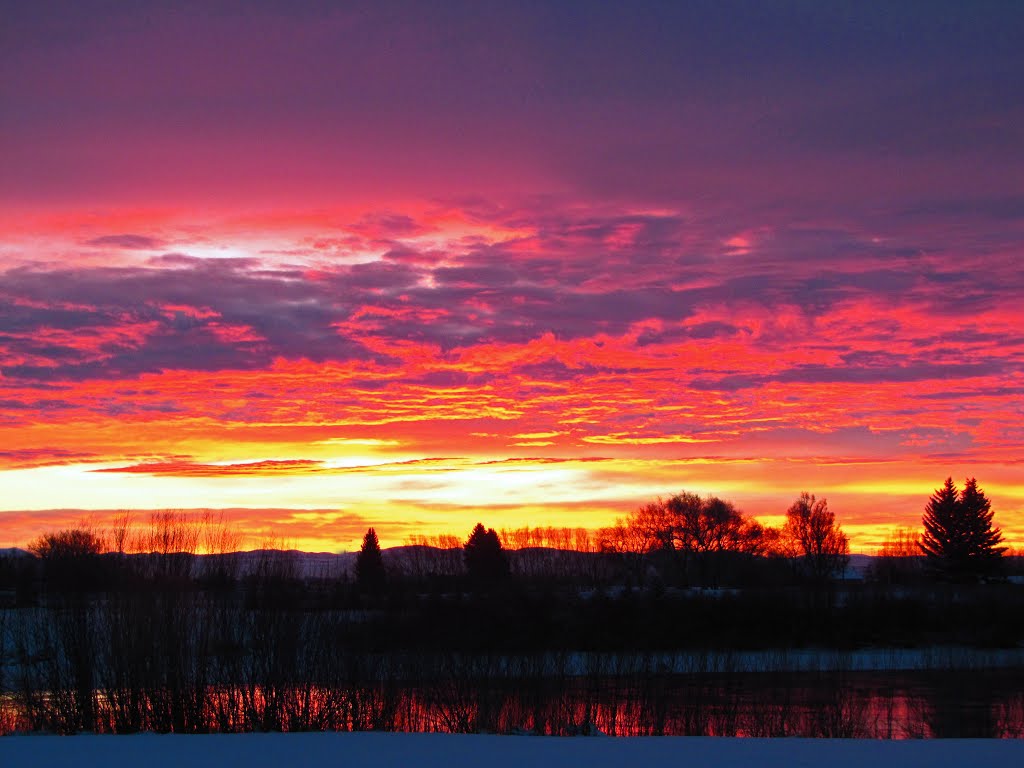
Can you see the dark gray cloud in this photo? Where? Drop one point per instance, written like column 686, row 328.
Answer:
column 42, row 457
column 893, row 370
column 714, row 329
column 971, row 394
column 911, row 372
column 128, row 242
column 43, row 405
column 581, row 274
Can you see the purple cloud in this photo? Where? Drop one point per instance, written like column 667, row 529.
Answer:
column 127, row 242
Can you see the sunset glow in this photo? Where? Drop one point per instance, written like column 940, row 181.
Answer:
column 413, row 268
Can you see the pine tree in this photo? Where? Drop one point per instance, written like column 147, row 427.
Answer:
column 486, row 562
column 959, row 542
column 370, row 573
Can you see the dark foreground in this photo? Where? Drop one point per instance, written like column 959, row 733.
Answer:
column 428, row 750
column 838, row 703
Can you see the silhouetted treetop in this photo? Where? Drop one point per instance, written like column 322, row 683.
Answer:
column 370, row 573
column 71, row 558
column 687, row 539
column 486, row 562
column 815, row 537
column 959, row 542
column 66, row 544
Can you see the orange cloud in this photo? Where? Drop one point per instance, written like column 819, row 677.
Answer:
column 327, row 361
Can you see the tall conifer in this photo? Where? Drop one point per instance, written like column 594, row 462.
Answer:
column 959, row 541
column 370, row 572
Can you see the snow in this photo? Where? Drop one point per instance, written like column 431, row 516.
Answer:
column 381, row 750
column 783, row 660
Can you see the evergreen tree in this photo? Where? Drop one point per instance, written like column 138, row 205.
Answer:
column 959, row 542
column 370, row 573
column 486, row 562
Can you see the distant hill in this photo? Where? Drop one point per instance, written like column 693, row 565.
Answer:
column 413, row 559
column 859, row 566
column 304, row 565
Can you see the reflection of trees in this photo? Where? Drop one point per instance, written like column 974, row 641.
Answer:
column 1008, row 713
column 163, row 651
column 960, row 705
column 838, row 710
column 768, row 709
column 557, row 695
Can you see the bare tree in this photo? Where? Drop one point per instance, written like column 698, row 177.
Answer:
column 704, row 525
column 71, row 558
column 815, row 537
column 898, row 559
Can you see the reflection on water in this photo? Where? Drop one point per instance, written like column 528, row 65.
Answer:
column 836, row 704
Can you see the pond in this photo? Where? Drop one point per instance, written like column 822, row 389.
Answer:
column 858, row 704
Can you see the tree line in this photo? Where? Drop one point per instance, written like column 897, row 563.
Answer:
column 692, row 539
column 687, row 539
column 136, row 629
column 683, row 540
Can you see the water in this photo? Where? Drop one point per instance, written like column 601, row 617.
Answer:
column 887, row 705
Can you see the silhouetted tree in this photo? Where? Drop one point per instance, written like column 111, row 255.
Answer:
column 653, row 523
column 71, row 558
column 486, row 562
column 370, row 573
column 705, row 525
column 703, row 529
column 815, row 537
column 899, row 559
column 674, row 534
column 65, row 545
column 959, row 541
column 760, row 540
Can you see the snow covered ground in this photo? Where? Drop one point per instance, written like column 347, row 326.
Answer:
column 778, row 660
column 381, row 750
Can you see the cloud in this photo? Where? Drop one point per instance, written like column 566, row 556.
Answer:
column 128, row 242
column 791, row 235
column 193, row 469
column 388, row 225
column 669, row 279
column 896, row 373
column 823, row 374
column 312, row 530
column 23, row 458
column 713, row 329
column 273, row 467
column 971, row 393
column 553, row 327
column 429, row 465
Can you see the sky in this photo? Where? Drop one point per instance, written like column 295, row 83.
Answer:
column 414, row 265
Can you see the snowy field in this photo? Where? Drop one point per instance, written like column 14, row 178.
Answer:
column 380, row 750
